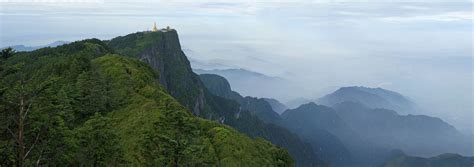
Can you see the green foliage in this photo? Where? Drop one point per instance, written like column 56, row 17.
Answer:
column 91, row 95
column 89, row 107
column 162, row 51
column 157, row 121
column 174, row 141
column 7, row 52
column 98, row 144
column 136, row 43
column 39, row 90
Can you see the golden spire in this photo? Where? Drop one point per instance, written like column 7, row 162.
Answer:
column 154, row 28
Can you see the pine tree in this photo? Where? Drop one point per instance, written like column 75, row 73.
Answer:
column 7, row 52
column 174, row 141
column 97, row 144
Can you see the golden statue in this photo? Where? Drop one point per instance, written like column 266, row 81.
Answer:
column 154, row 28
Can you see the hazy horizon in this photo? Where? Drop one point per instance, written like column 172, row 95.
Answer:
column 421, row 49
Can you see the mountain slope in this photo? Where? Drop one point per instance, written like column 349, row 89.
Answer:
column 162, row 51
column 371, row 97
column 251, row 113
column 414, row 134
column 353, row 144
column 321, row 126
column 250, row 83
column 92, row 108
column 443, row 160
column 277, row 106
column 262, row 109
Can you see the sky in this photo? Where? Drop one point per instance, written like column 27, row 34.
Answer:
column 422, row 49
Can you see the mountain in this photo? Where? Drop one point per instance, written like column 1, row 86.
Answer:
column 162, row 51
column 219, row 86
column 294, row 103
column 250, row 83
column 276, row 105
column 371, row 97
column 340, row 142
column 262, row 109
column 257, row 119
column 83, row 104
column 31, row 48
column 236, row 73
column 315, row 123
column 443, row 160
column 414, row 134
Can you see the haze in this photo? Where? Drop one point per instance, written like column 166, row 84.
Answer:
column 422, row 49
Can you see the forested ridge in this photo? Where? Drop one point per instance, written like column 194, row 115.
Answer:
column 82, row 104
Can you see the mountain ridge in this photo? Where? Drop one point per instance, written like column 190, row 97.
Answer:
column 24, row 48
column 371, row 97
column 99, row 108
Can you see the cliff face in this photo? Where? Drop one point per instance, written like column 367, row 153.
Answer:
column 162, row 51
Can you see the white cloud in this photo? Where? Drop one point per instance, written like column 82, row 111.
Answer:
column 409, row 7
column 349, row 13
column 446, row 16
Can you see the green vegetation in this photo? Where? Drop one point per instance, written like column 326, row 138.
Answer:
column 81, row 105
column 162, row 51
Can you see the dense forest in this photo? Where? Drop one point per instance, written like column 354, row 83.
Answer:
column 82, row 104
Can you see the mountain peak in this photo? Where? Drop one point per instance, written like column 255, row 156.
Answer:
column 309, row 107
column 370, row 97
column 277, row 106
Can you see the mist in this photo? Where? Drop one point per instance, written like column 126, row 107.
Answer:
column 420, row 49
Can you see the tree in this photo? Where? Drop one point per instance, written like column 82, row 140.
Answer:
column 98, row 144
column 8, row 52
column 19, row 93
column 173, row 141
column 91, row 96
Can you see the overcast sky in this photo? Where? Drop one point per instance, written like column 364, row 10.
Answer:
column 422, row 49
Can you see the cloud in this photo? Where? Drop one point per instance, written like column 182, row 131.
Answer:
column 384, row 84
column 409, row 7
column 444, row 17
column 349, row 13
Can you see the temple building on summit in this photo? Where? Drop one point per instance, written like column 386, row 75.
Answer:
column 155, row 29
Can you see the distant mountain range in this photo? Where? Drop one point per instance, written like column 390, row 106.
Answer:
column 277, row 106
column 32, row 48
column 356, row 126
column 251, row 83
column 319, row 125
column 443, row 160
column 237, row 73
column 296, row 102
column 414, row 134
column 364, row 136
column 370, row 97
column 272, row 127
